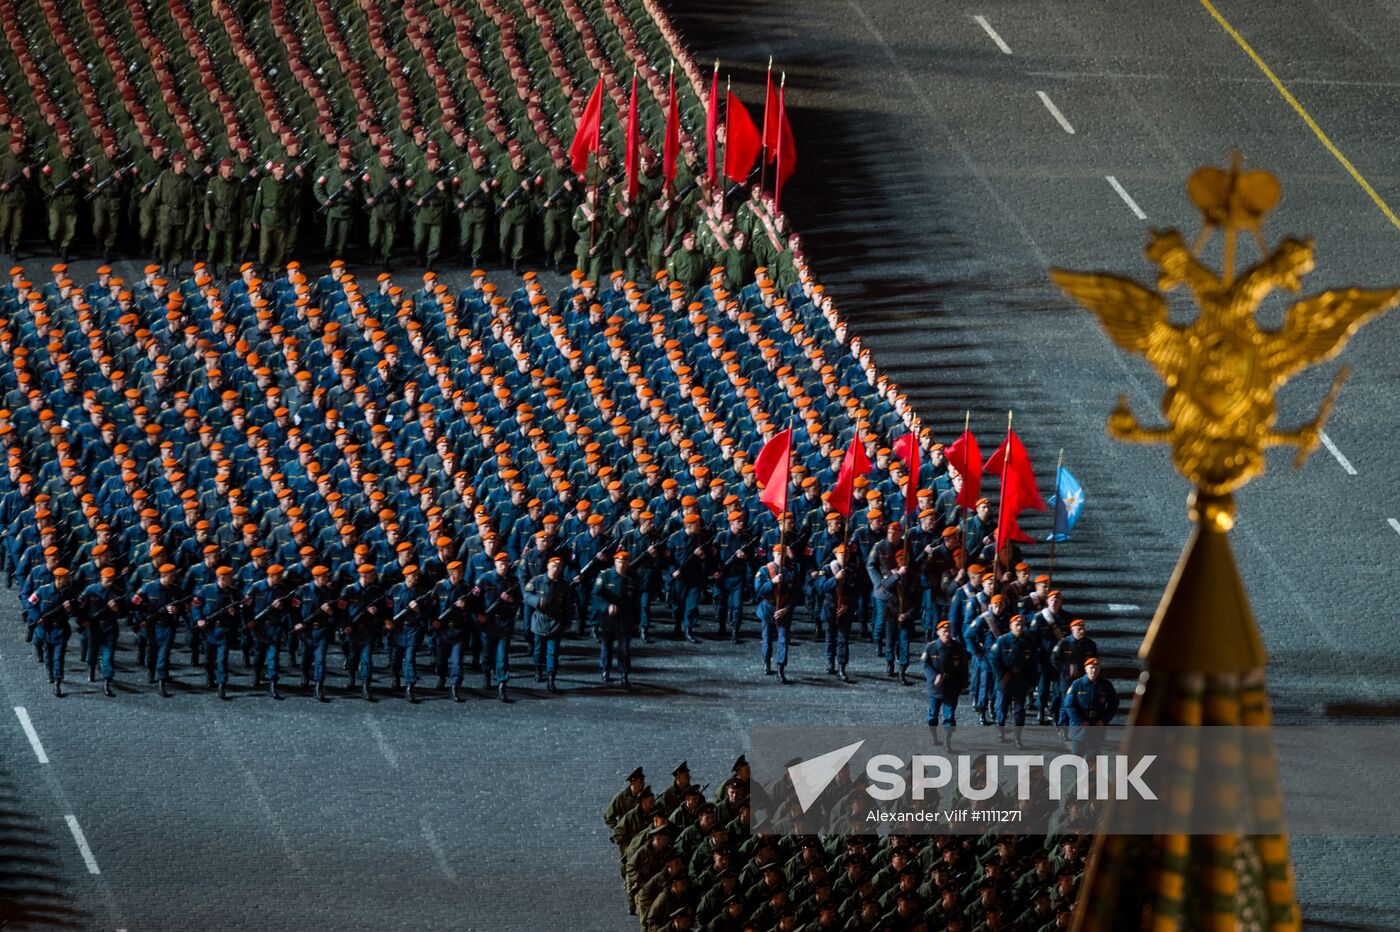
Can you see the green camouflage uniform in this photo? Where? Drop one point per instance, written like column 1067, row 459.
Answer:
column 472, row 217
column 274, row 208
column 556, row 212
column 594, row 239
column 429, row 211
column 172, row 199
column 12, row 201
column 341, row 184
column 62, row 191
column 384, row 212
column 223, row 218
column 515, row 215
column 107, row 203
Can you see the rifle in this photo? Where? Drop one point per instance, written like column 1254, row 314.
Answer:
column 276, row 605
column 19, row 175
column 384, row 191
column 209, row 622
column 549, row 198
column 165, row 610
column 71, row 178
column 600, row 558
column 505, row 204
column 253, row 173
column 367, row 598
column 107, row 182
column 443, row 174
column 64, row 607
column 744, row 547
column 345, row 188
column 512, row 588
column 410, row 610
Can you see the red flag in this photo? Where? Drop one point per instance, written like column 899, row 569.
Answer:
column 771, row 468
column 586, row 136
column 1018, row 491
column 634, row 146
column 854, row 463
column 964, row 456
column 770, row 118
column 787, row 149
column 742, row 142
column 906, row 450
column 671, row 145
column 712, row 126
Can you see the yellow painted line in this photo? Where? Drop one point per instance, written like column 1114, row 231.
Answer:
column 1307, row 117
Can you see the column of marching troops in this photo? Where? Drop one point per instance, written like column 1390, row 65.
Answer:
column 411, row 199
column 688, row 862
column 302, row 465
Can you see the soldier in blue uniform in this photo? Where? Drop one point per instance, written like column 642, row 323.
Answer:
column 368, row 610
column 496, row 601
column 322, row 611
column 57, row 606
column 1091, row 701
column 274, row 603
column 454, row 628
column 613, row 611
column 104, row 608
column 1047, row 628
column 413, row 606
column 1014, row 658
column 551, row 598
column 692, row 553
column 647, row 545
column 218, row 611
column 1068, row 661
column 734, row 551
column 163, row 604
column 945, row 676
column 838, row 589
column 979, row 637
column 776, row 586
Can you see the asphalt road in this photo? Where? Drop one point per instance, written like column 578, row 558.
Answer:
column 936, row 187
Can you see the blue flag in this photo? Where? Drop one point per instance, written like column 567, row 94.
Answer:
column 1068, row 503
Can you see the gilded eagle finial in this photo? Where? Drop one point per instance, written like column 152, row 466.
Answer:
column 1222, row 371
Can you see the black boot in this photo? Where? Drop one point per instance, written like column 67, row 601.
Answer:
column 320, row 693
column 948, row 742
column 165, row 689
column 398, row 683
column 305, row 682
column 364, row 691
column 539, row 673
column 456, row 696
column 1020, row 745
column 933, row 731
column 501, row 693
column 1001, row 734
column 645, row 639
column 209, row 680
column 889, row 668
column 408, row 694
column 982, row 717
column 552, row 687
column 442, row 681
column 223, row 691
column 782, row 674
column 150, row 677
column 272, row 690
column 140, row 654
column 107, row 688
column 831, row 669
column 92, row 674
column 767, row 668
column 841, row 673
column 58, row 688
column 903, row 677
column 486, row 680
column 626, row 681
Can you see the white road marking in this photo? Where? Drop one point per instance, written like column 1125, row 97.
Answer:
column 83, row 848
column 436, row 848
column 380, row 740
column 31, row 734
column 1395, row 525
column 1055, row 112
column 1127, row 198
column 1332, row 448
column 1120, row 607
column 987, row 28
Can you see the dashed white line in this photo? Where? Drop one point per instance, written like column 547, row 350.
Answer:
column 1332, row 448
column 1127, row 198
column 433, row 845
column 987, row 28
column 1055, row 112
column 1394, row 525
column 1120, row 607
column 31, row 734
column 83, row 848
column 381, row 741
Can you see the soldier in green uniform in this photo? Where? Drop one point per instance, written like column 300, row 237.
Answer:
column 61, row 181
column 383, row 203
column 106, row 194
column 556, row 205
column 14, row 194
column 223, row 215
column 473, row 200
column 143, row 204
column 514, row 209
column 202, row 170
column 273, row 212
column 299, row 179
column 335, row 192
column 172, row 200
column 687, row 265
column 739, row 263
column 429, row 190
column 629, row 240
column 248, row 169
column 594, row 235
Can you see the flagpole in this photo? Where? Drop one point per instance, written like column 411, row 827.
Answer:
column 778, row 160
column 782, row 529
column 962, row 509
column 1054, row 535
column 1001, row 505
column 763, row 161
column 721, row 179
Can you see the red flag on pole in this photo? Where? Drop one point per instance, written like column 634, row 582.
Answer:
column 964, row 456
column 634, row 145
column 712, row 126
column 787, row 151
column 1018, row 491
column 771, row 469
column 671, row 145
column 586, row 136
column 854, row 463
column 906, row 450
column 742, row 143
column 770, row 117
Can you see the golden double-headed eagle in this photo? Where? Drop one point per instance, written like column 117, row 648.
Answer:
column 1223, row 370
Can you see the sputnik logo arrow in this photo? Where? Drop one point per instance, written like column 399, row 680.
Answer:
column 811, row 777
